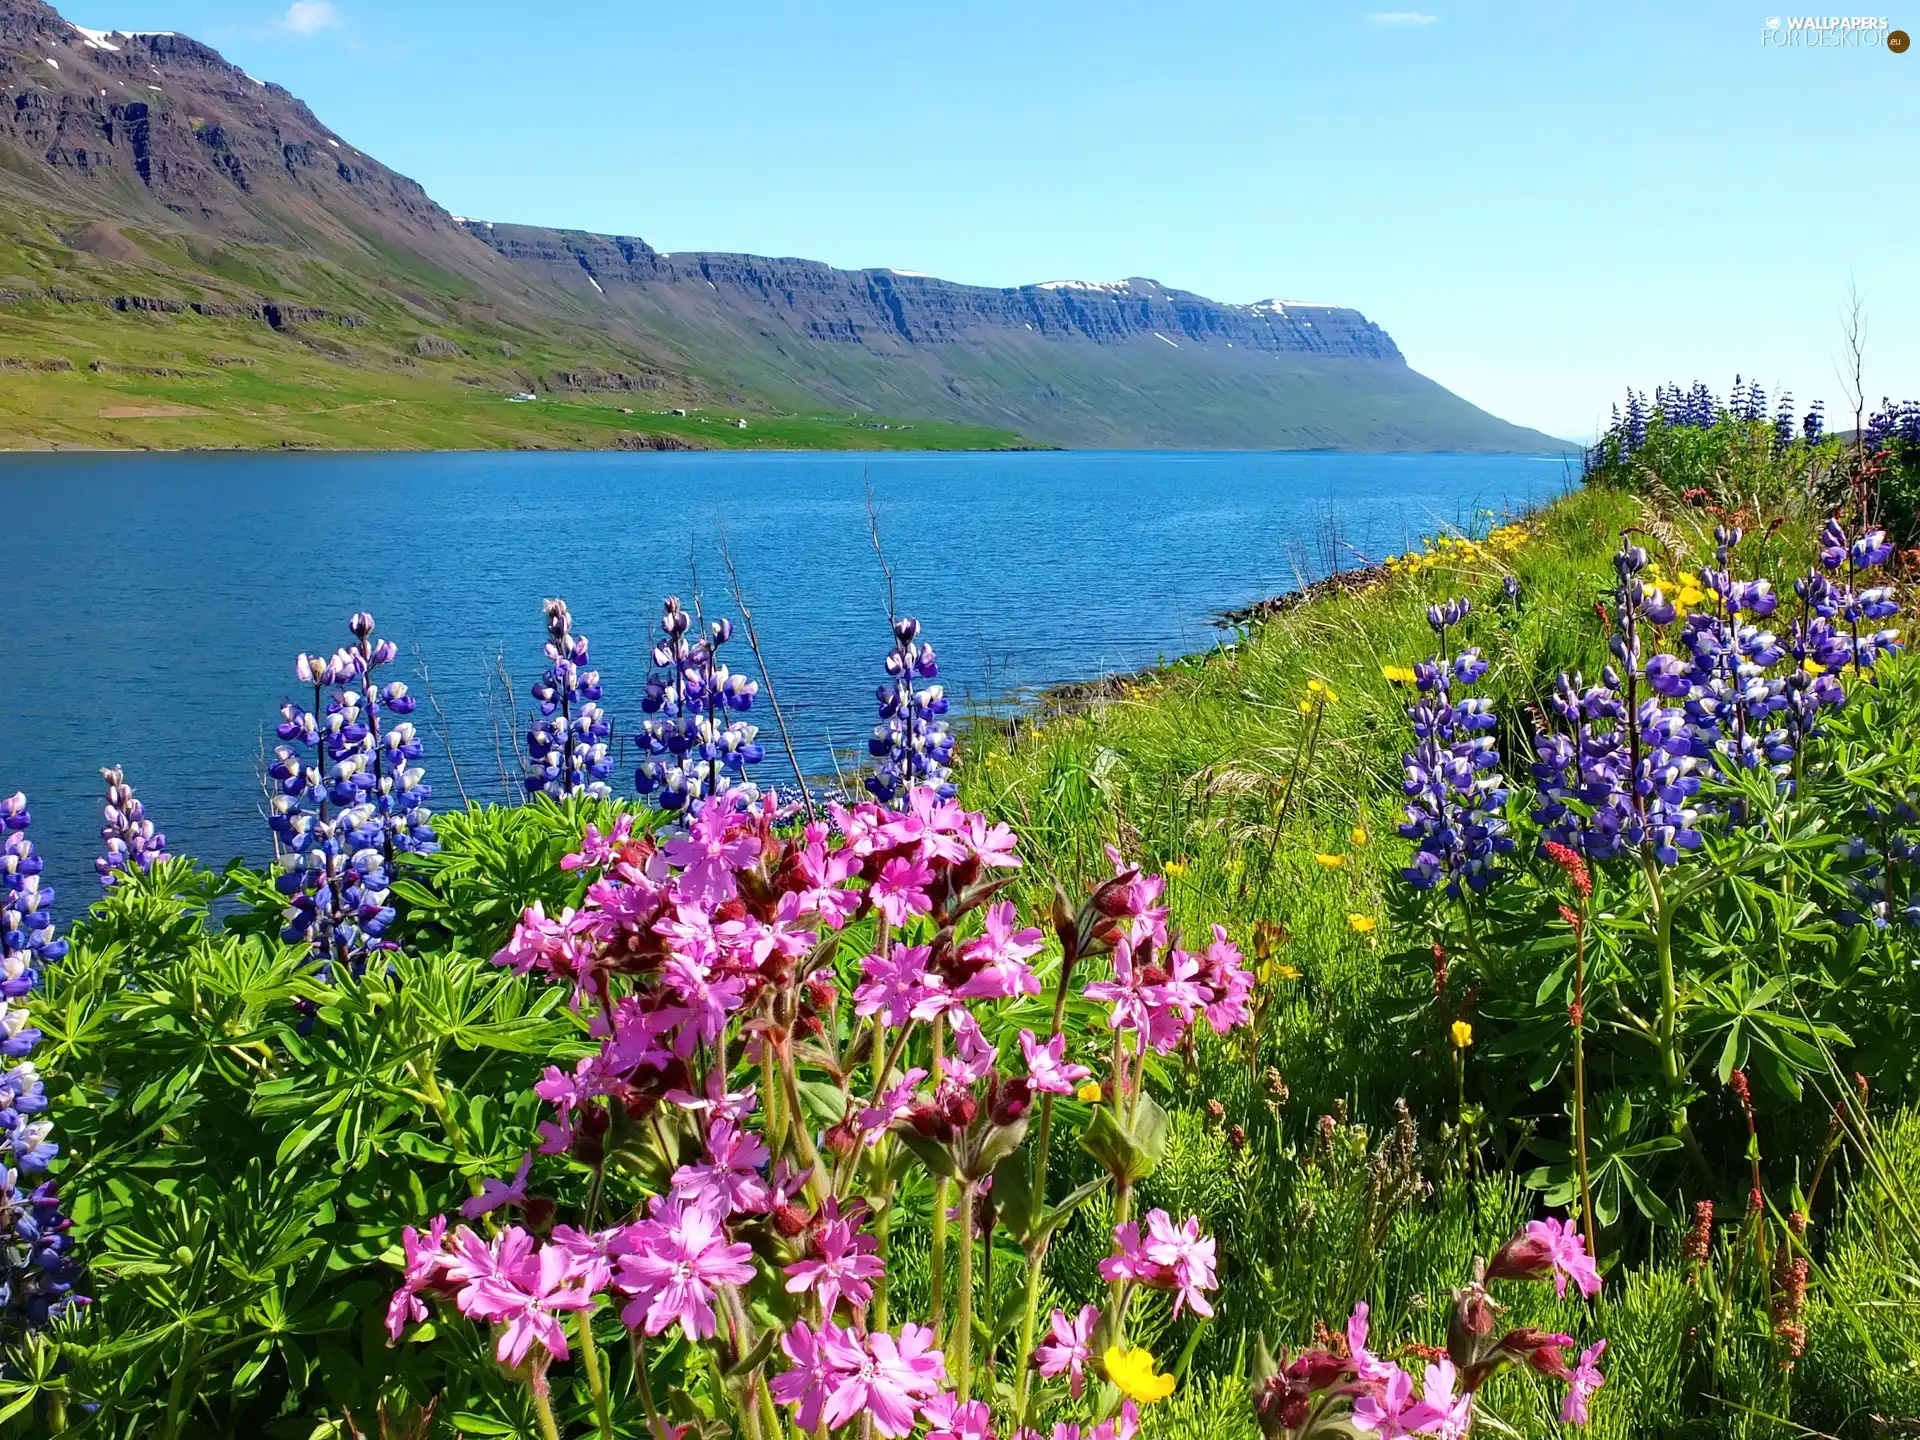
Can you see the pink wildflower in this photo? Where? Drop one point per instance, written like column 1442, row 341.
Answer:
column 1069, row 1348
column 1224, row 972
column 992, row 844
column 1586, row 1379
column 808, row 1382
column 900, row 892
column 712, row 853
column 520, row 1292
column 900, row 984
column 597, row 849
column 1566, row 1252
column 1048, row 1066
column 1129, row 1260
column 1367, row 1366
column 1123, row 1426
column 424, row 1264
column 894, row 1105
column 933, row 827
column 973, row 1058
column 494, row 1193
column 673, row 1263
column 1393, row 1412
column 839, row 1263
column 728, row 1181
column 948, row 1419
column 888, row 1378
column 1453, row 1414
column 1002, row 953
column 1187, row 1255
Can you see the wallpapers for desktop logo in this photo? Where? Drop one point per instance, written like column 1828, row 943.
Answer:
column 1833, row 32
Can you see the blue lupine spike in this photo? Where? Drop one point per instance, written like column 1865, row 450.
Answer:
column 567, row 745
column 694, row 742
column 37, row 1268
column 912, row 744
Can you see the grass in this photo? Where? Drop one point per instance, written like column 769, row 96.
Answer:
column 1284, row 831
column 87, row 376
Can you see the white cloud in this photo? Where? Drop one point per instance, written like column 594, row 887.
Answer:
column 310, row 17
column 1401, row 17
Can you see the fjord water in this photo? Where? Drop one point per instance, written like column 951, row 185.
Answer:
column 153, row 604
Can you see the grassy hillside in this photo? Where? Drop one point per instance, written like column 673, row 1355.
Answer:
column 427, row 363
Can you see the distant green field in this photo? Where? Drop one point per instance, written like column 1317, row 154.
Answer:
column 155, row 380
column 290, row 395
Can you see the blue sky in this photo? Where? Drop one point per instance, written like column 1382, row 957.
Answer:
column 1542, row 203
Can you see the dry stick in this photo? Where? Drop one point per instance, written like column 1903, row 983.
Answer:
column 766, row 678
column 446, row 736
column 499, row 755
column 873, row 533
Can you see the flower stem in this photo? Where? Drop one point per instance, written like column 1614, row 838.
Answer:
column 1580, row 1083
column 596, row 1373
column 543, row 1410
column 646, row 1384
column 962, row 1342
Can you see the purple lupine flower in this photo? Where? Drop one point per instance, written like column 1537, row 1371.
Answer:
column 567, row 741
column 127, row 836
column 37, row 1272
column 1456, row 795
column 694, row 741
column 1628, row 762
column 912, row 744
column 347, row 800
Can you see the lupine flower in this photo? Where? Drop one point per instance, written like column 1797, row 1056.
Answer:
column 839, row 1263
column 912, row 744
column 567, row 742
column 1586, row 1379
column 1456, row 796
column 348, row 800
column 37, row 1272
column 694, row 746
column 1067, row 1349
column 673, row 1263
column 127, row 837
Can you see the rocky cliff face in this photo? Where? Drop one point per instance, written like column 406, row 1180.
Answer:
column 158, row 124
column 884, row 309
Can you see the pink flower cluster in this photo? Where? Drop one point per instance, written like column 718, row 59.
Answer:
column 1170, row 1257
column 1161, row 1001
column 1383, row 1397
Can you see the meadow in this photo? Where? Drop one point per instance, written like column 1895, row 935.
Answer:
column 1476, row 1000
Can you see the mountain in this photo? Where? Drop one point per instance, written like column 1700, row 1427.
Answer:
column 174, row 230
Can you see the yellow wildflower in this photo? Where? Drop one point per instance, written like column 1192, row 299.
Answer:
column 1318, row 687
column 1175, row 867
column 1358, row 834
column 1132, row 1371
column 1361, row 924
column 1306, row 707
column 1285, row 972
column 1398, row 674
column 1462, row 1034
column 1332, row 862
column 1332, row 699
column 1089, row 1093
column 1813, row 667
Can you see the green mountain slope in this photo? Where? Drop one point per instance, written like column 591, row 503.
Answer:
column 189, row 256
